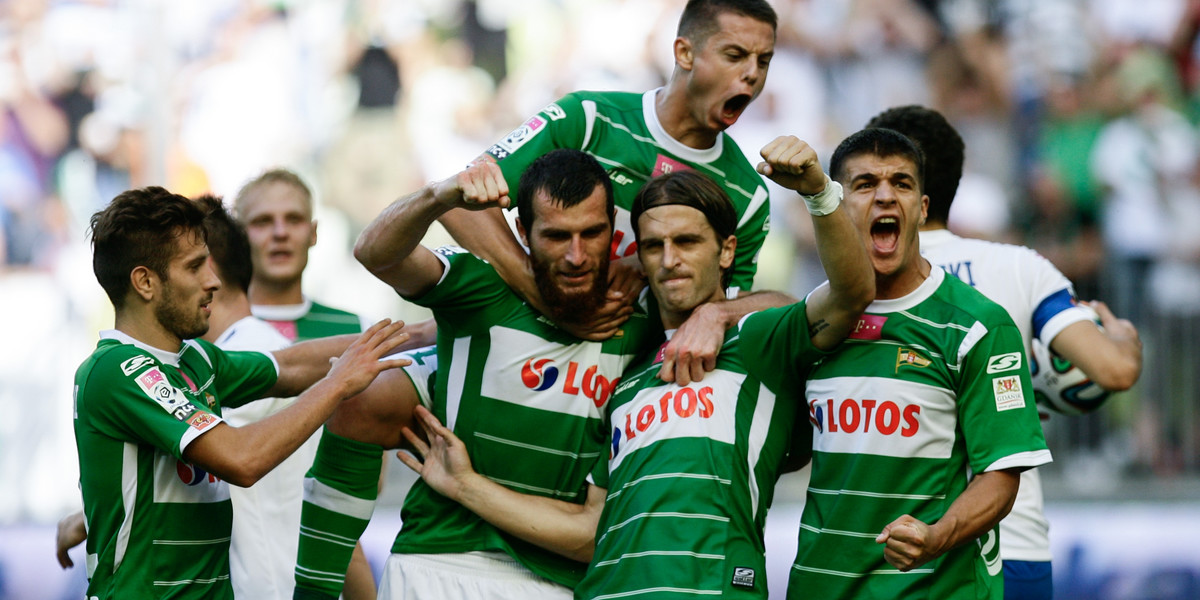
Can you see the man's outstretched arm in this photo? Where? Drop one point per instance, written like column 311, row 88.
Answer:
column 563, row 527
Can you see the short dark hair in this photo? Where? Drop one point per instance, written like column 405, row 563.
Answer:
column 699, row 19
column 567, row 176
column 228, row 244
column 688, row 188
column 277, row 175
column 943, row 149
column 138, row 229
column 882, row 143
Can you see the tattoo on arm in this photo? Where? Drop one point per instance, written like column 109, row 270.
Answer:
column 817, row 327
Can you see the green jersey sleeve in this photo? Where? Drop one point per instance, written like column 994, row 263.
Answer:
column 240, row 376
column 468, row 284
column 776, row 347
column 143, row 405
column 562, row 124
column 996, row 406
column 751, row 234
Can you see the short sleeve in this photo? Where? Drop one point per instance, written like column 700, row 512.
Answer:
column 562, row 124
column 996, row 407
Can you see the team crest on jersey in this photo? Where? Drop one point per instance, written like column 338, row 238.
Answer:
column 1004, row 362
column 128, row 367
column 1008, row 393
column 202, row 420
column 907, row 357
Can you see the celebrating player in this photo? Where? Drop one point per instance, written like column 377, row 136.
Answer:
column 691, row 468
column 1042, row 306
column 922, row 421
column 154, row 452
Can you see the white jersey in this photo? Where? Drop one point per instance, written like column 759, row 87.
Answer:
column 1041, row 302
column 266, row 516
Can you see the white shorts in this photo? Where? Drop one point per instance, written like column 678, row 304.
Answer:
column 466, row 576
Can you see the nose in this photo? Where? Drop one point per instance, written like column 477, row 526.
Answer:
column 670, row 256
column 211, row 282
column 278, row 228
column 885, row 193
column 576, row 255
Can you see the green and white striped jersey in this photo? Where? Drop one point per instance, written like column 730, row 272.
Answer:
column 622, row 131
column 692, row 469
column 526, row 398
column 157, row 526
column 929, row 389
column 308, row 320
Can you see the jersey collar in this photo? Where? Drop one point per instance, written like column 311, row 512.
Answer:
column 163, row 356
column 913, row 298
column 282, row 312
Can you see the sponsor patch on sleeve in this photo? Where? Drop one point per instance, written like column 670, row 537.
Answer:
column 1004, row 362
column 202, row 420
column 450, row 250
column 743, row 577
column 1008, row 393
column 156, row 386
column 129, row 366
column 513, row 141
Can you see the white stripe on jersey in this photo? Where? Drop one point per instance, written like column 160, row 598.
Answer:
column 454, row 382
column 667, row 476
column 605, row 563
column 554, row 451
column 129, row 486
column 331, row 499
column 760, row 425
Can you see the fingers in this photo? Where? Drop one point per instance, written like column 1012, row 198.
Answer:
column 415, row 441
column 482, row 185
column 409, row 461
column 431, row 424
column 64, row 559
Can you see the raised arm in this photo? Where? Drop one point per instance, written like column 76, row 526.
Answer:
column 834, row 308
column 563, row 527
column 304, row 363
column 242, row 455
column 390, row 245
column 1112, row 358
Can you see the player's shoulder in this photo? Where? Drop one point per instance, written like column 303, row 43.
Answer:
column 607, row 99
column 970, row 304
column 942, row 243
column 112, row 356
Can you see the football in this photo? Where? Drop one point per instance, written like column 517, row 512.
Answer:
column 1059, row 385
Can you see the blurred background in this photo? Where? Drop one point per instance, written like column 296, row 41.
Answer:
column 1079, row 116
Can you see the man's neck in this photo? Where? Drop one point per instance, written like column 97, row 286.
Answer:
column 227, row 308
column 903, row 282
column 672, row 110
column 267, row 293
column 933, row 226
column 144, row 327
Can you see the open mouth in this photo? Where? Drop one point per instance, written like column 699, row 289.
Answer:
column 734, row 106
column 885, row 233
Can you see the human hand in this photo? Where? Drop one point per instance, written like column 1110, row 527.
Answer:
column 443, row 462
column 363, row 360
column 1115, row 328
column 693, row 349
column 910, row 543
column 793, row 164
column 481, row 185
column 71, row 532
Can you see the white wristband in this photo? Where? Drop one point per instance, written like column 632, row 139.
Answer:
column 826, row 201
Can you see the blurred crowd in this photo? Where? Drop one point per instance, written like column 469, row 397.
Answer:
column 1080, row 119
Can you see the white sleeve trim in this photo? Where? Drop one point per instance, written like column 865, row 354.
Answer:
column 1035, row 458
column 1061, row 321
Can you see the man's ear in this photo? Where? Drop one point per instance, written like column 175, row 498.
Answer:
column 312, row 238
column 521, row 232
column 924, row 208
column 144, row 282
column 684, row 53
column 728, row 248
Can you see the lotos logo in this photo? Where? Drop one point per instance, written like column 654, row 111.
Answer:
column 193, row 475
column 537, row 376
column 853, row 416
column 674, row 404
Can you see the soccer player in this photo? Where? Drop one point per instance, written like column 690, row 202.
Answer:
column 722, row 53
column 1042, row 304
column 923, row 420
column 154, row 451
column 691, row 468
column 277, row 209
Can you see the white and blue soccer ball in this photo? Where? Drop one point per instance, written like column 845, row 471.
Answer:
column 1059, row 385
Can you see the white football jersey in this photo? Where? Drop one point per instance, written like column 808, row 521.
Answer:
column 266, row 516
column 1041, row 302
